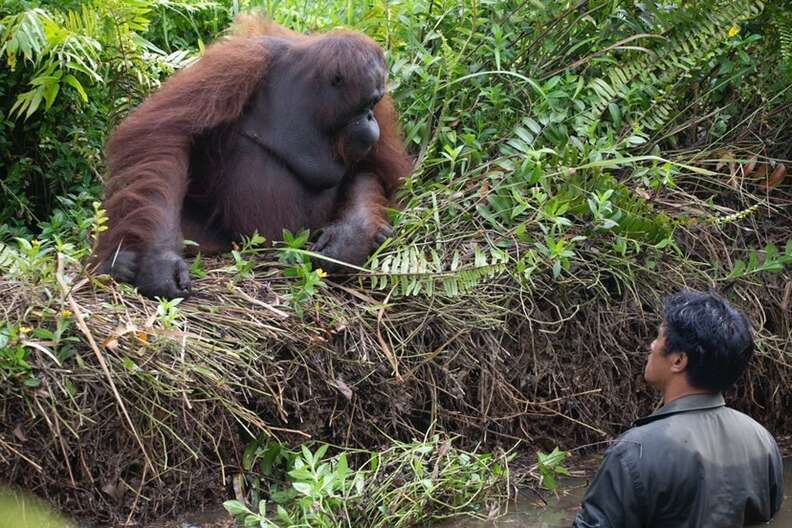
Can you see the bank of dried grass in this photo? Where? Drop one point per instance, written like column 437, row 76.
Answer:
column 558, row 363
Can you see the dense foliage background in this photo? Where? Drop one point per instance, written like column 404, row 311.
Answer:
column 526, row 111
column 575, row 162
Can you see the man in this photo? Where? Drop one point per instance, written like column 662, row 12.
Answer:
column 694, row 462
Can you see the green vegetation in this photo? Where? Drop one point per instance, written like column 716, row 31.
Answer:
column 550, row 466
column 575, row 162
column 404, row 485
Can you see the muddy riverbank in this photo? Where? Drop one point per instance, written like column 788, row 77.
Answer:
column 529, row 510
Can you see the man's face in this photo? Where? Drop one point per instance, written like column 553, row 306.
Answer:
column 658, row 366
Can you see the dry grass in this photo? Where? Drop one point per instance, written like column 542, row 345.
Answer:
column 557, row 365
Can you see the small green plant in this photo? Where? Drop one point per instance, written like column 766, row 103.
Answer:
column 735, row 217
column 98, row 222
column 14, row 355
column 249, row 518
column 559, row 252
column 552, row 212
column 17, row 341
column 33, row 260
column 197, row 268
column 772, row 261
column 550, row 467
column 250, row 246
column 243, row 266
column 318, row 489
column 657, row 176
column 602, row 209
column 168, row 313
column 300, row 267
column 57, row 343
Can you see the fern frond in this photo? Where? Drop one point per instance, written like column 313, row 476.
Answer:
column 408, row 270
column 655, row 76
column 782, row 22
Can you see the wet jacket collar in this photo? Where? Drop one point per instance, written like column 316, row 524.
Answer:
column 694, row 402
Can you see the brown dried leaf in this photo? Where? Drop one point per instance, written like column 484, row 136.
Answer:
column 111, row 343
column 484, row 189
column 20, row 434
column 726, row 157
column 749, row 167
column 761, row 171
column 344, row 388
column 114, row 489
column 775, row 178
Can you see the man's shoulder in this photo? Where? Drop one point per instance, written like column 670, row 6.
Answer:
column 741, row 417
column 730, row 416
column 647, row 431
column 686, row 430
column 747, row 424
column 632, row 443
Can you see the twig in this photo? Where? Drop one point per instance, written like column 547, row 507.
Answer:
column 75, row 308
column 383, row 345
column 8, row 446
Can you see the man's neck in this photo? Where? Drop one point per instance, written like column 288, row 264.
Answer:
column 679, row 388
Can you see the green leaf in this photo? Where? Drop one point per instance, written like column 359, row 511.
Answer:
column 302, row 487
column 51, row 90
column 307, row 455
column 282, row 514
column 72, row 81
column 249, row 456
column 663, row 243
column 129, row 364
column 43, row 333
column 35, row 101
column 320, row 453
column 532, row 124
column 753, row 260
column 549, row 481
column 359, row 483
column 342, row 466
column 235, row 507
column 524, row 135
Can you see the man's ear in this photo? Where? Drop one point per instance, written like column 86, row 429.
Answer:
column 679, row 362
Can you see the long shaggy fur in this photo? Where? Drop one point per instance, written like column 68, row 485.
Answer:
column 149, row 154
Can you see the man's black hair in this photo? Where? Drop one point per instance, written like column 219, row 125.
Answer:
column 716, row 338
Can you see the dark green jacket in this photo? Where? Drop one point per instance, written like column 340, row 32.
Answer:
column 693, row 463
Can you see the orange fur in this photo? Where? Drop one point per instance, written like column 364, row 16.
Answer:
column 149, row 154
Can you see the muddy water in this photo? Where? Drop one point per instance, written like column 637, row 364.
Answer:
column 529, row 511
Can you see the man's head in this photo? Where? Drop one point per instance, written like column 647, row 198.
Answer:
column 702, row 342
